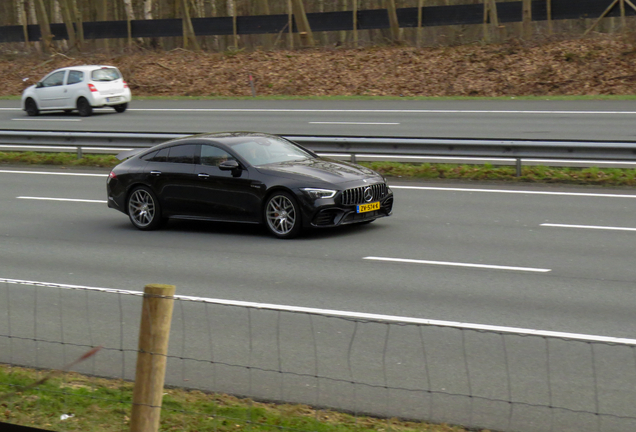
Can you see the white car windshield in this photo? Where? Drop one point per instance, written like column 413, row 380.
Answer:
column 264, row 150
column 105, row 74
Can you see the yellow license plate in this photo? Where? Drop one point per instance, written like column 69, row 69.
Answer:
column 363, row 208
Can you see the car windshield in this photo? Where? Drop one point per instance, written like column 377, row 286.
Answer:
column 105, row 74
column 265, row 150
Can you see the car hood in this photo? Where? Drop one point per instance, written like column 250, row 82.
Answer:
column 320, row 169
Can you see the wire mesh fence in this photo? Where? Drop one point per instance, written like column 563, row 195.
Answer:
column 499, row 378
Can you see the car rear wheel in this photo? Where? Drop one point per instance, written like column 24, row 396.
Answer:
column 282, row 215
column 121, row 108
column 143, row 209
column 31, row 107
column 85, row 109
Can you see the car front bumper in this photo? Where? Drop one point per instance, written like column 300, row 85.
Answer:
column 334, row 214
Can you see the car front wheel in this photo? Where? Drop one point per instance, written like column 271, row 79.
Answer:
column 143, row 209
column 31, row 107
column 282, row 215
column 121, row 108
column 85, row 109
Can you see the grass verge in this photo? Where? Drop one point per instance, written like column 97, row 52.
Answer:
column 424, row 171
column 103, row 405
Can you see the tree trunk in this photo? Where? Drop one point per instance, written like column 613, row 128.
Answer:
column 306, row 35
column 527, row 19
column 130, row 16
column 101, row 9
column 21, row 19
column 188, row 31
column 393, row 20
column 79, row 23
column 45, row 28
column 148, row 9
column 231, row 12
column 68, row 22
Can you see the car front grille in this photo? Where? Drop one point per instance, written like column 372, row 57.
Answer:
column 357, row 195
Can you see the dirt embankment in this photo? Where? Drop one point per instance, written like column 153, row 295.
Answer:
column 602, row 65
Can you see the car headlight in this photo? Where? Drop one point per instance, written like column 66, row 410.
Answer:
column 319, row 193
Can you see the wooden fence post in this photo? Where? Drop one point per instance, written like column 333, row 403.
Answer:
column 156, row 316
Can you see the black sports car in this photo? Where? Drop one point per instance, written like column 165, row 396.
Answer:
column 245, row 177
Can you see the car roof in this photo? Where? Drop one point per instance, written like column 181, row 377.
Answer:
column 86, row 68
column 216, row 137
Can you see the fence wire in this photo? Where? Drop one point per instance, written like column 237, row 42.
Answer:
column 418, row 370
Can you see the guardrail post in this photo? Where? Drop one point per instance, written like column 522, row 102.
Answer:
column 156, row 316
column 518, row 167
column 353, row 158
column 79, row 152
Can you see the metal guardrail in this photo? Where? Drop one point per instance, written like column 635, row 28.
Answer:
column 351, row 146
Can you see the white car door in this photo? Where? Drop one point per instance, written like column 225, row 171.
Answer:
column 74, row 87
column 51, row 92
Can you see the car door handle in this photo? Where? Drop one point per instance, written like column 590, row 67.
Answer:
column 155, row 173
column 204, row 176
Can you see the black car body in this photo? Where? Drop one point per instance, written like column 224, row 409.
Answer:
column 245, row 177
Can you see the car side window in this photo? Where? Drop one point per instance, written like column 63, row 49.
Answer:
column 214, row 156
column 55, row 79
column 150, row 156
column 181, row 153
column 159, row 156
column 74, row 77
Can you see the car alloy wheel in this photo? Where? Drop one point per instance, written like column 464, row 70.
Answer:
column 143, row 209
column 85, row 109
column 282, row 215
column 121, row 107
column 31, row 107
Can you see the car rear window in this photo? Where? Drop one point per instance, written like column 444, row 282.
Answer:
column 105, row 74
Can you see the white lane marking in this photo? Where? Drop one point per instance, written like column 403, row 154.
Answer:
column 348, row 314
column 400, row 111
column 588, row 227
column 455, row 264
column 45, row 120
column 61, row 199
column 352, row 123
column 53, row 173
column 515, row 192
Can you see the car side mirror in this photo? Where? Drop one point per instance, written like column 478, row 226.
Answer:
column 231, row 165
column 39, row 84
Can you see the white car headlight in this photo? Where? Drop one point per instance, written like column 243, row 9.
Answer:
column 319, row 193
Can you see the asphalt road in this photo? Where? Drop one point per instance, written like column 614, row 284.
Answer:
column 587, row 290
column 487, row 259
column 511, row 119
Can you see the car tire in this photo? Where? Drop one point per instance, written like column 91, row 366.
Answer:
column 282, row 215
column 84, row 107
column 31, row 107
column 143, row 209
column 121, row 108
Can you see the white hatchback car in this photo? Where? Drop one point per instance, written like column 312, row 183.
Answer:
column 80, row 88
